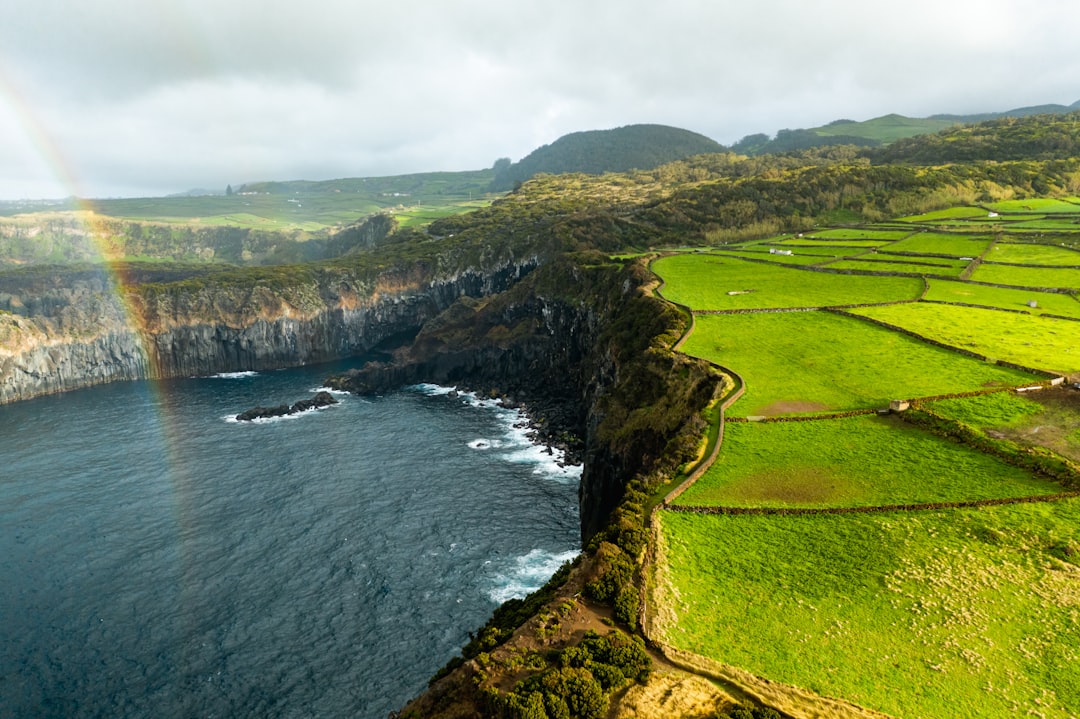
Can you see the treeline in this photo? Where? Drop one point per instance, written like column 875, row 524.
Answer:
column 1039, row 137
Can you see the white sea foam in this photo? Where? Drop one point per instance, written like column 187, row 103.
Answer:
column 234, row 375
column 331, row 390
column 485, row 443
column 547, row 461
column 528, row 573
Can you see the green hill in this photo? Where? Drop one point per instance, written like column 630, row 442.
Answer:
column 879, row 131
column 640, row 147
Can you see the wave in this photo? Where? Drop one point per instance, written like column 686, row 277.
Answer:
column 234, row 375
column 529, row 572
column 331, row 390
column 548, row 461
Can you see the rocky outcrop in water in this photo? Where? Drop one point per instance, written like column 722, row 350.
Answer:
column 320, row 400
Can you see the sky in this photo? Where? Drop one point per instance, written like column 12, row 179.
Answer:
column 111, row 98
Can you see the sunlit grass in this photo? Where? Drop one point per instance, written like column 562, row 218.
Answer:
column 801, row 362
column 1032, row 341
column 703, row 282
column 852, row 462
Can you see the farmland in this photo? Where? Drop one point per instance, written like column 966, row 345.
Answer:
column 1044, row 343
column 818, row 361
column 929, row 612
column 1005, row 298
column 851, row 462
column 704, row 281
column 948, row 613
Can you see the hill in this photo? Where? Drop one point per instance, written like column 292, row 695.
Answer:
column 633, row 147
column 879, row 131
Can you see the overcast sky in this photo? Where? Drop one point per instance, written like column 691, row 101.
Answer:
column 142, row 97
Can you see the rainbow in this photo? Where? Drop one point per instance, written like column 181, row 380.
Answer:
column 48, row 151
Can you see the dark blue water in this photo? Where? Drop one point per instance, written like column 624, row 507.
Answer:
column 159, row 560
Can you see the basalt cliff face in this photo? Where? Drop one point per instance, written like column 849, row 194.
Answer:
column 585, row 346
column 67, row 330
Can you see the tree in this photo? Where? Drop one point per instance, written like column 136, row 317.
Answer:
column 228, row 190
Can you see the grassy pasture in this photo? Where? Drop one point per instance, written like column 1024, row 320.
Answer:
column 817, row 249
column 1029, row 254
column 1041, row 205
column 799, row 259
column 841, row 244
column 941, row 244
column 703, row 281
column 1050, row 418
column 1030, row 340
column 858, row 461
column 935, row 614
column 1027, row 276
column 1049, row 225
column 802, row 362
column 952, row 213
column 925, row 266
column 968, row 293
column 860, row 234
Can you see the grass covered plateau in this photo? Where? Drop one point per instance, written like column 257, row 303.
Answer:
column 1009, row 299
column 852, row 462
column 819, row 361
column 949, row 613
column 1044, row 343
column 703, row 282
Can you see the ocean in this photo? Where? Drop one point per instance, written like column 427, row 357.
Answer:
column 159, row 558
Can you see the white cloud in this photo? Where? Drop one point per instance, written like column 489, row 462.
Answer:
column 137, row 97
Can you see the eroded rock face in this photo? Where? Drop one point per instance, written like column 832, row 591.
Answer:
column 77, row 329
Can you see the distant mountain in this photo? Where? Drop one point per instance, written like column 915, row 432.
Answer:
column 879, row 131
column 640, row 147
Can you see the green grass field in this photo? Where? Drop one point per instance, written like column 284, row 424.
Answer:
column 799, row 362
column 934, row 243
column 935, row 614
column 852, row 244
column 1041, row 205
column 1049, row 418
column 817, row 249
column 1027, row 254
column 703, row 281
column 1042, row 342
column 868, row 233
column 852, row 462
column 1047, row 277
column 880, row 263
column 952, row 213
column 969, row 293
column 799, row 259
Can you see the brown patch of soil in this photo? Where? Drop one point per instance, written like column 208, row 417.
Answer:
column 792, row 407
column 1056, row 429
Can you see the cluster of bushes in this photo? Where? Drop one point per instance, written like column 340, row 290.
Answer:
column 578, row 682
column 746, row 711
